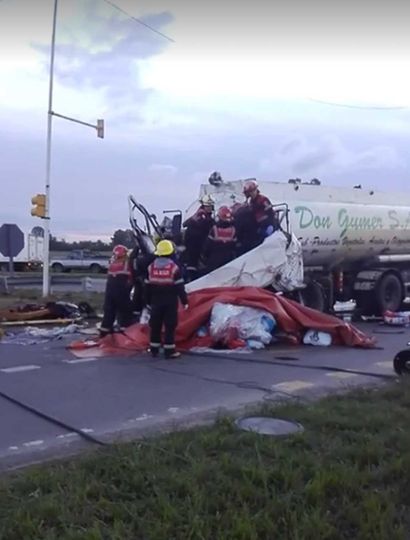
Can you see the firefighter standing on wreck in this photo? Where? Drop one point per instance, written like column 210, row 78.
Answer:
column 221, row 243
column 164, row 286
column 265, row 216
column 198, row 227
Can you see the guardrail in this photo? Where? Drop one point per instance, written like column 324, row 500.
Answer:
column 83, row 284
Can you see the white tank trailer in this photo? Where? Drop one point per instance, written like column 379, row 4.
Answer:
column 356, row 242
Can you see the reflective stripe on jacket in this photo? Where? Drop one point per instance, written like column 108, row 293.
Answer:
column 223, row 234
column 163, row 271
column 119, row 268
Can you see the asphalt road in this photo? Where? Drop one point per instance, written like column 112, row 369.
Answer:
column 120, row 398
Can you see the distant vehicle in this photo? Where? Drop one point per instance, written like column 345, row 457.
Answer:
column 30, row 258
column 81, row 259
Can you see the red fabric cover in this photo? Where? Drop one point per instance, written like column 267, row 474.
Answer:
column 291, row 317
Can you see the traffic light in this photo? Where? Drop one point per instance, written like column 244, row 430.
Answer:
column 100, row 129
column 39, row 202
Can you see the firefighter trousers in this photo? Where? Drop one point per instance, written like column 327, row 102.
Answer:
column 117, row 304
column 163, row 314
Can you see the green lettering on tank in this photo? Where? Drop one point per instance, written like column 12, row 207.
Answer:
column 350, row 223
column 308, row 219
column 345, row 221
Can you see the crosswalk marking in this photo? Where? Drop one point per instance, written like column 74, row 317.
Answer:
column 387, row 364
column 18, row 369
column 292, row 386
column 340, row 375
column 80, row 360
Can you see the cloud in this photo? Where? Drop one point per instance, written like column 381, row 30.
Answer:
column 329, row 155
column 161, row 169
column 100, row 51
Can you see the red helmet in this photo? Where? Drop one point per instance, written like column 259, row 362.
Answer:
column 119, row 251
column 249, row 187
column 224, row 214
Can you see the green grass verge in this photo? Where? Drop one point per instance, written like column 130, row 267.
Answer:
column 346, row 477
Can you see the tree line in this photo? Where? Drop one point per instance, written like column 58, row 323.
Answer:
column 120, row 236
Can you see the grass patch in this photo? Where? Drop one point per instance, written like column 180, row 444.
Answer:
column 346, row 477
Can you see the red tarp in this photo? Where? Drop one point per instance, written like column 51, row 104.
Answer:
column 291, row 317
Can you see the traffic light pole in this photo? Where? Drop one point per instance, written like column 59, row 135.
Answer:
column 46, row 256
column 99, row 127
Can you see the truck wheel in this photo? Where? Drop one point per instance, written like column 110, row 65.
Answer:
column 314, row 296
column 401, row 362
column 57, row 267
column 95, row 269
column 388, row 294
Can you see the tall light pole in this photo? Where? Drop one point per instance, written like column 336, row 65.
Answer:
column 46, row 256
column 50, row 113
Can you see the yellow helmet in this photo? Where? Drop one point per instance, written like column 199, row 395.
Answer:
column 164, row 248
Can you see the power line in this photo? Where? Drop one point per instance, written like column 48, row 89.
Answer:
column 139, row 21
column 363, row 107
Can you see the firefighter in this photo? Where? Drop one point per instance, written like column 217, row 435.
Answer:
column 197, row 231
column 163, row 287
column 265, row 216
column 117, row 303
column 221, row 242
column 246, row 228
column 139, row 262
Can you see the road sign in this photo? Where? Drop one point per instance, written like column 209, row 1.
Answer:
column 11, row 240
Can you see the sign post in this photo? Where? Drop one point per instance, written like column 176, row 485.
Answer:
column 11, row 242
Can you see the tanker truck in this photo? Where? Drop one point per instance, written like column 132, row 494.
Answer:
column 355, row 242
column 334, row 244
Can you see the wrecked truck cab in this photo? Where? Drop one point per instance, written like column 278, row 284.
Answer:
column 276, row 263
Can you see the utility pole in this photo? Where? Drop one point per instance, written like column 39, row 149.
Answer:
column 50, row 113
column 46, row 256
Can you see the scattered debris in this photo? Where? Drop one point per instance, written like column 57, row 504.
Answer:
column 49, row 313
column 318, row 339
column 205, row 325
column 398, row 318
column 34, row 336
column 235, row 326
column 345, row 310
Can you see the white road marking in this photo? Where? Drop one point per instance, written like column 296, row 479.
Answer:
column 33, row 443
column 385, row 365
column 139, row 418
column 80, row 360
column 173, row 410
column 341, row 375
column 67, row 435
column 13, row 448
column 292, row 386
column 87, row 430
column 18, row 369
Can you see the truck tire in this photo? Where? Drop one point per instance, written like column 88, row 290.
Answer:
column 95, row 269
column 58, row 268
column 388, row 294
column 314, row 296
column 401, row 362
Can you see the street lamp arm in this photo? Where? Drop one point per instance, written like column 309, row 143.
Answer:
column 73, row 120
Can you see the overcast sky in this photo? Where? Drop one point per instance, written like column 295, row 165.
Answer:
column 240, row 91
